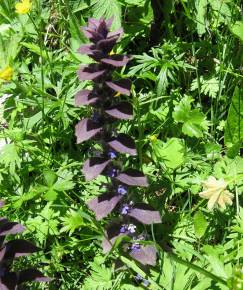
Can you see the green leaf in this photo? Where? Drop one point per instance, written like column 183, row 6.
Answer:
column 100, row 278
column 233, row 133
column 233, row 151
column 210, row 87
column 201, row 8
column 237, row 29
column 195, row 122
column 221, row 10
column 130, row 287
column 64, row 181
column 35, row 49
column 191, row 129
column 200, row 224
column 172, row 152
column 72, row 221
column 216, row 264
column 9, row 157
column 107, row 9
column 50, row 195
column 133, row 2
column 45, row 224
column 50, row 177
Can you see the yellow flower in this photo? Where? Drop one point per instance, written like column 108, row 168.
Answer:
column 6, row 73
column 153, row 138
column 23, row 7
column 215, row 191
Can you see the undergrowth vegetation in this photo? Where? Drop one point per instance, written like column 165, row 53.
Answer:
column 187, row 100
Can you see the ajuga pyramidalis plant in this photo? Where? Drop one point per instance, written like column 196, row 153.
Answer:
column 105, row 98
column 11, row 280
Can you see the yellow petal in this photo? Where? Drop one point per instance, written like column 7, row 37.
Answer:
column 23, row 7
column 221, row 201
column 212, row 201
column 228, row 197
column 6, row 74
column 210, row 182
column 207, row 193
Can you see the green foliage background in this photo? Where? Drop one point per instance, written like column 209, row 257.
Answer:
column 187, row 97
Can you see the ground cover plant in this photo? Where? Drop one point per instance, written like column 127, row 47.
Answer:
column 177, row 123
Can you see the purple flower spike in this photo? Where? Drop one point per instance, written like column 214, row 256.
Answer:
column 128, row 229
column 85, row 97
column 10, row 228
column 116, row 60
column 108, row 110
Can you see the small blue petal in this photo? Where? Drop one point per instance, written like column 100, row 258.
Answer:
column 112, row 154
column 123, row 229
column 135, row 247
column 121, row 190
column 125, row 209
column 145, row 283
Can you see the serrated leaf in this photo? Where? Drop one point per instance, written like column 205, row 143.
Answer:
column 35, row 49
column 64, row 181
column 50, row 177
column 134, row 2
column 195, row 122
column 191, row 129
column 200, row 224
column 172, row 152
column 182, row 109
column 9, row 157
column 221, row 10
column 233, row 133
column 214, row 259
column 237, row 29
column 210, row 87
column 50, row 195
column 100, row 278
column 72, row 221
column 107, row 9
